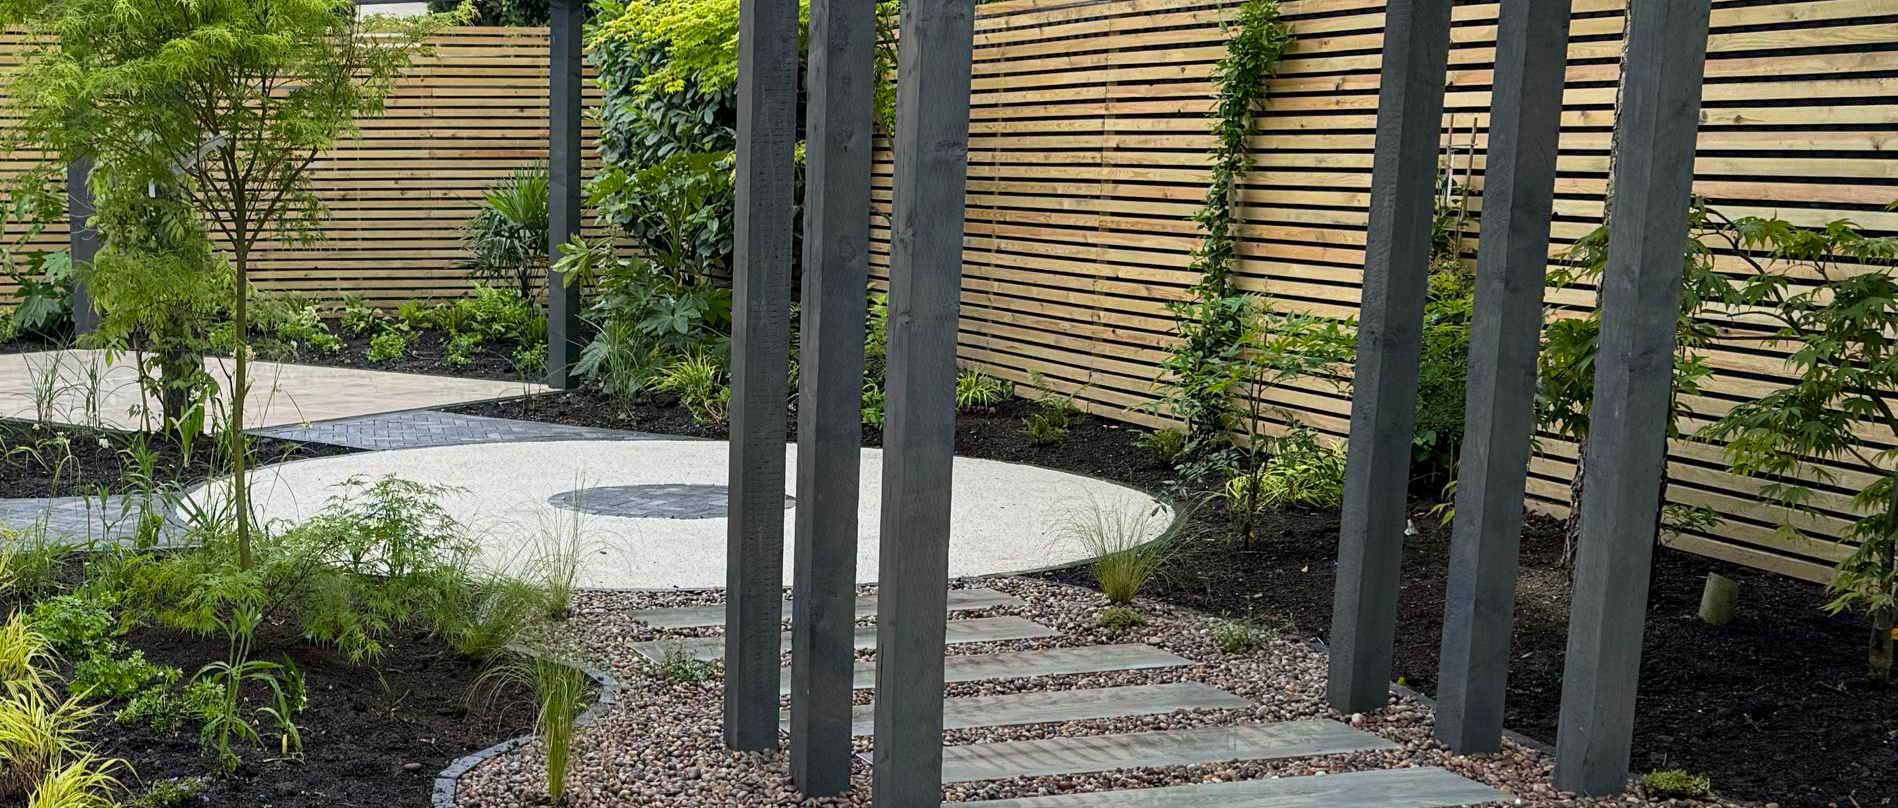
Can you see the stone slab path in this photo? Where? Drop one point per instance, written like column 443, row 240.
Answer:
column 1422, row 787
column 1026, row 664
column 1066, row 705
column 960, row 600
column 980, row 629
column 416, row 429
column 1187, row 747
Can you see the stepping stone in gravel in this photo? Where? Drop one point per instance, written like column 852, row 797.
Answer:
column 980, row 629
column 1056, row 706
column 1025, row 664
column 1390, row 788
column 960, row 600
column 1182, row 747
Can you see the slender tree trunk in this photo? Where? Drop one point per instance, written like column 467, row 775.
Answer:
column 1879, row 667
column 240, row 385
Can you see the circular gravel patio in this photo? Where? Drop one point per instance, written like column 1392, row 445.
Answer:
column 651, row 513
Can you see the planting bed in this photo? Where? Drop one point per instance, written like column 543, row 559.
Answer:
column 375, row 735
column 31, row 465
column 1772, row 707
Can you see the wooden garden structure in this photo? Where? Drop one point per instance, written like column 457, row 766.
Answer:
column 1660, row 98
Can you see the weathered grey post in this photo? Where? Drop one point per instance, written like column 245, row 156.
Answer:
column 1390, row 337
column 1627, row 442
column 1499, row 417
column 932, row 141
column 82, row 240
column 761, row 325
column 564, row 182
column 839, row 115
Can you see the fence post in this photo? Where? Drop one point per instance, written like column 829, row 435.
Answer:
column 761, row 325
column 1390, row 336
column 1627, row 440
column 564, row 182
column 932, row 144
column 839, row 117
column 1499, row 417
column 82, row 241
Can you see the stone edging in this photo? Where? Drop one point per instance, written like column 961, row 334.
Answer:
column 446, row 781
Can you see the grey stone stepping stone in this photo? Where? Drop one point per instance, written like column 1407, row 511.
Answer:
column 1038, row 662
column 960, row 600
column 980, row 629
column 1425, row 787
column 1185, row 747
column 1066, row 705
column 414, row 429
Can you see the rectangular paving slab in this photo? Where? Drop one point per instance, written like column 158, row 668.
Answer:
column 1037, row 662
column 960, row 600
column 1184, row 747
column 980, row 629
column 1066, row 705
column 1424, row 787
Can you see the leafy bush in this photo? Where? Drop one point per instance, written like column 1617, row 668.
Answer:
column 391, row 344
column 507, row 239
column 1240, row 638
column 170, row 710
column 1301, row 473
column 699, row 382
column 1167, row 444
column 77, row 627
column 647, row 315
column 360, row 318
column 286, row 325
column 43, row 296
column 167, row 793
column 977, row 389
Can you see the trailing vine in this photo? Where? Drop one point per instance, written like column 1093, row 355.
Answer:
column 1213, row 324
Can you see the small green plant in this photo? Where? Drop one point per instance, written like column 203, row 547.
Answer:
column 25, row 655
column 1119, row 618
column 699, row 381
column 1676, row 784
column 85, row 782
column 359, row 318
column 391, row 344
column 110, row 676
column 678, row 665
column 1301, row 473
column 498, row 608
column 76, row 626
column 872, row 404
column 1166, row 444
column 1127, row 544
column 1043, row 429
column 167, row 793
column 36, row 735
column 977, row 389
column 1240, row 637
column 560, row 688
column 171, row 711
column 461, row 348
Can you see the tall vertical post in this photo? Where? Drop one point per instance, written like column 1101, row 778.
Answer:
column 83, row 240
column 761, row 333
column 838, row 124
column 932, row 155
column 1499, row 415
column 1627, row 440
column 564, row 181
column 1390, row 339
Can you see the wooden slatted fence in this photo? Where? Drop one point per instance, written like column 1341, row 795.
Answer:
column 1092, row 122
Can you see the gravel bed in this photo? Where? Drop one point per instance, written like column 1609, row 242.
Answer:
column 661, row 746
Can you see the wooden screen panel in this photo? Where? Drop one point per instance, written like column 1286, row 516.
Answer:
column 1091, row 125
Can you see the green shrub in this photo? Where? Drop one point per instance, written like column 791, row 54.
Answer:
column 977, row 389
column 1301, row 473
column 360, row 318
column 170, row 710
column 1042, row 428
column 507, row 239
column 873, row 404
column 392, row 343
column 75, row 626
column 1676, row 784
column 112, row 676
column 1166, row 444
column 699, row 382
column 1240, row 638
column 1119, row 618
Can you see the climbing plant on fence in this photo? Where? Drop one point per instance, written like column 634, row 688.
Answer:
column 1209, row 360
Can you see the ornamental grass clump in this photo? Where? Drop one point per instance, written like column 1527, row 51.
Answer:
column 1127, row 546
column 559, row 687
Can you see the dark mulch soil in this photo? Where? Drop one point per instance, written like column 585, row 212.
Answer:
column 366, row 724
column 424, row 356
column 29, row 343
column 1772, row 707
column 34, row 463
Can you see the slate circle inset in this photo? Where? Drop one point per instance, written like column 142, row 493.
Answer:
column 651, row 501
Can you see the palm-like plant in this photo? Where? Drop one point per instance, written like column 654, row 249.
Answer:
column 507, row 240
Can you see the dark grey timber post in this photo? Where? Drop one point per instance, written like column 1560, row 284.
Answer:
column 1627, row 444
column 564, row 181
column 761, row 333
column 932, row 145
column 1390, row 339
column 82, row 241
column 1499, row 415
column 838, row 121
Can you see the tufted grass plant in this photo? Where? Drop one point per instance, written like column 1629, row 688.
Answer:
column 559, row 689
column 24, row 657
column 36, row 734
column 1127, row 547
column 86, row 782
